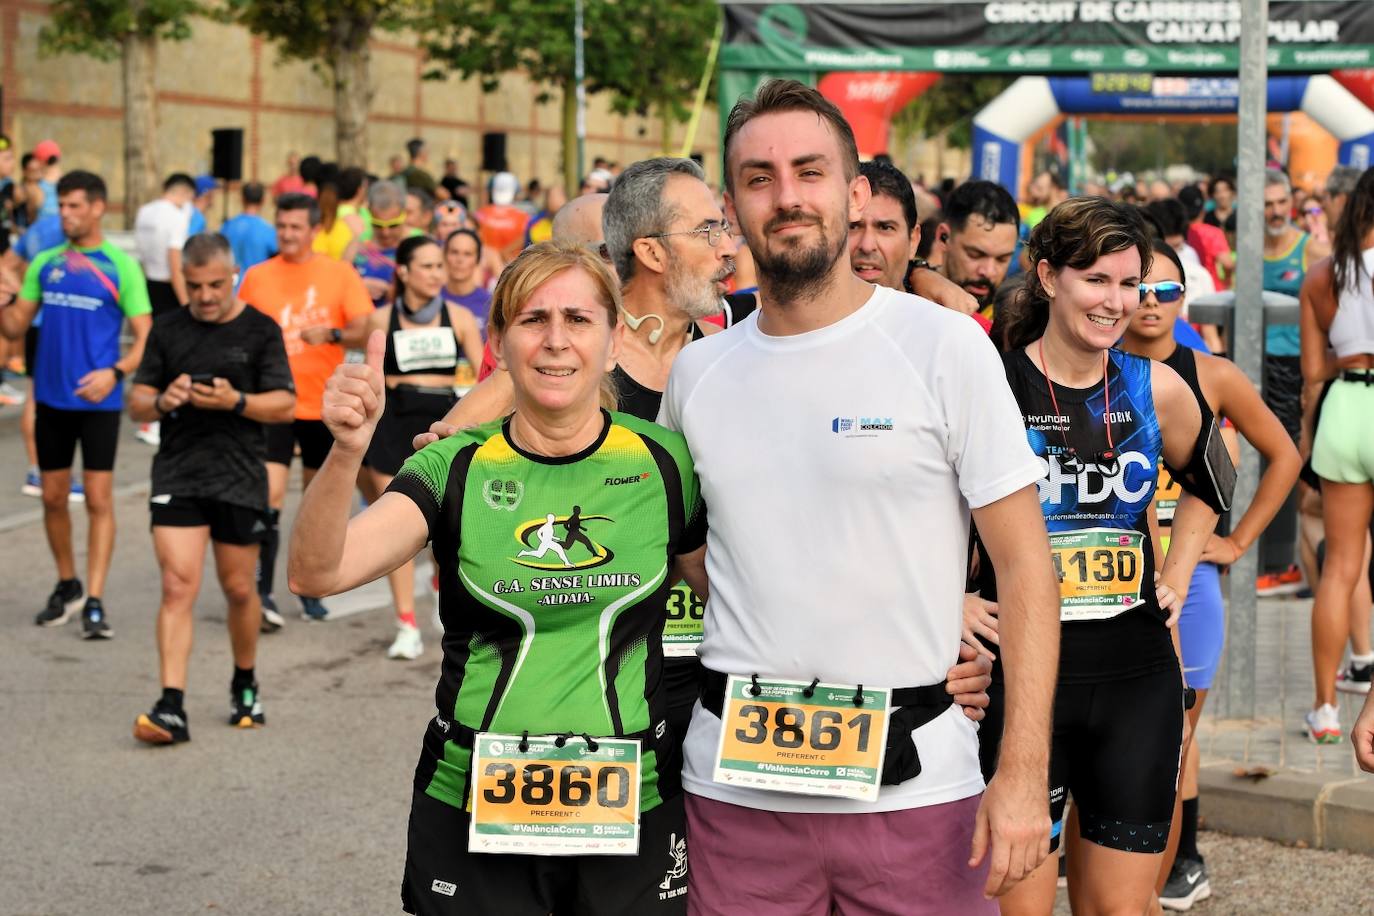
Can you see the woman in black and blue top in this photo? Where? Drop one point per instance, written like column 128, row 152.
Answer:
column 1100, row 420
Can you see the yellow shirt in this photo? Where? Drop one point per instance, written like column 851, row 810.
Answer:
column 333, row 242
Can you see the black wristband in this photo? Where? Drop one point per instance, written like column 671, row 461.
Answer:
column 157, row 404
column 119, row 374
column 242, row 404
column 335, row 335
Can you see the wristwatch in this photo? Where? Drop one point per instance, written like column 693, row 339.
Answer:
column 918, row 264
column 335, row 335
column 242, row 404
column 119, row 374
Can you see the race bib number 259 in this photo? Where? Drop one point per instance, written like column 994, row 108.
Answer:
column 544, row 799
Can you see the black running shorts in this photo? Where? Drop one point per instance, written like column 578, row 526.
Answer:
column 56, row 433
column 443, row 879
column 228, row 523
column 313, row 437
column 1115, row 749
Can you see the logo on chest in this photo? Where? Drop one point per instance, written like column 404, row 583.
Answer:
column 503, row 494
column 563, row 541
column 861, row 427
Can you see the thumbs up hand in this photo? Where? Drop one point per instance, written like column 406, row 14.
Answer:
column 354, row 398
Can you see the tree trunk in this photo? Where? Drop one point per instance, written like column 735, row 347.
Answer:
column 571, row 180
column 140, row 124
column 351, row 62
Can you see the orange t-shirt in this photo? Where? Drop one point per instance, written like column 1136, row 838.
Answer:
column 321, row 292
column 500, row 227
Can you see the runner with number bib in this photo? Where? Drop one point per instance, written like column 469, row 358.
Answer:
column 1100, row 420
column 555, row 532
column 1226, row 392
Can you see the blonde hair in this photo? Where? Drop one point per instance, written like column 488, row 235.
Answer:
column 537, row 265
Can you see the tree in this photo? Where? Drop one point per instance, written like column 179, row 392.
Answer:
column 332, row 34
column 648, row 53
column 128, row 30
column 948, row 108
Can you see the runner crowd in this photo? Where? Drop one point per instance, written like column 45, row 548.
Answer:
column 703, row 475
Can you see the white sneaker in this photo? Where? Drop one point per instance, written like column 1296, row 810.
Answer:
column 149, row 433
column 407, row 644
column 1323, row 725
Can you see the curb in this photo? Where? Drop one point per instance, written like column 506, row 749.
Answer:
column 1317, row 811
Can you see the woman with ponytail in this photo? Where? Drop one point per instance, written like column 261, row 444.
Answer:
column 1100, row 419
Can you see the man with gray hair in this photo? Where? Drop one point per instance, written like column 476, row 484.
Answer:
column 1340, row 184
column 376, row 259
column 213, row 373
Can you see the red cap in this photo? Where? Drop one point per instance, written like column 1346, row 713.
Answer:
column 47, row 150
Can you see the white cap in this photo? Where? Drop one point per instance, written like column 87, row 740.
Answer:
column 504, row 187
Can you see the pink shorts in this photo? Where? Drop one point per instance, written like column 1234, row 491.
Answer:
column 888, row 863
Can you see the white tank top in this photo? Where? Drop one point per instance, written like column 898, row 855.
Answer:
column 1352, row 330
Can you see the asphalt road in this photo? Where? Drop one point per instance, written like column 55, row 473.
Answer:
column 307, row 815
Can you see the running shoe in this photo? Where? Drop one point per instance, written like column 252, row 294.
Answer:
column 149, row 433
column 245, row 707
column 314, row 609
column 1288, row 582
column 162, row 726
column 407, row 644
column 11, row 396
column 77, row 494
column 272, row 620
column 33, row 484
column 64, row 601
column 94, row 624
column 1355, row 678
column 1323, row 725
column 1187, row 885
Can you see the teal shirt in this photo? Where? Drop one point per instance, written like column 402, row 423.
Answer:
column 1285, row 274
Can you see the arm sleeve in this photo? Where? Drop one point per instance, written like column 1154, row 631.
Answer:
column 152, row 369
column 133, row 289
column 274, row 372
column 986, row 443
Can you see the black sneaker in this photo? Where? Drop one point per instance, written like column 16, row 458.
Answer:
column 272, row 620
column 245, row 707
column 1187, row 885
column 64, row 601
column 162, row 726
column 1355, row 679
column 94, row 624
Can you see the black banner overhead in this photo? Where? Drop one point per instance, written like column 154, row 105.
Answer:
column 1040, row 36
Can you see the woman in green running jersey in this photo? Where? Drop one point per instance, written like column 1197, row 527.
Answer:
column 556, row 531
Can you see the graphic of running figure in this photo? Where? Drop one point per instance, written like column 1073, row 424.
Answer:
column 547, row 542
column 575, row 533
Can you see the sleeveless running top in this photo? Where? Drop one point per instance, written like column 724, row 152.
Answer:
column 420, row 351
column 553, row 575
column 1098, row 523
column 1352, row 330
column 1284, row 274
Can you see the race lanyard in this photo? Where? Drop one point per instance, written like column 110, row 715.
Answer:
column 424, row 348
column 554, row 795
column 1101, row 572
column 810, row 739
column 682, row 630
column 80, row 258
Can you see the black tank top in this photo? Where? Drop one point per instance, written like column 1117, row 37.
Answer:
column 1112, row 627
column 642, row 402
column 431, row 350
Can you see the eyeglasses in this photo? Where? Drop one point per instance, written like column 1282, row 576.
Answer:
column 1313, row 211
column 714, row 232
column 392, row 223
column 1166, row 291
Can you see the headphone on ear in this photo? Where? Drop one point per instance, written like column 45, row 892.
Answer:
column 944, row 238
column 235, row 282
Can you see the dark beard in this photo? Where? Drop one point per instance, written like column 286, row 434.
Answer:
column 794, row 272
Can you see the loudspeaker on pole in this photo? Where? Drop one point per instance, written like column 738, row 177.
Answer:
column 494, row 152
column 227, row 156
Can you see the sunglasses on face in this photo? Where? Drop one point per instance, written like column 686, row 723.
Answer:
column 388, row 223
column 1166, row 291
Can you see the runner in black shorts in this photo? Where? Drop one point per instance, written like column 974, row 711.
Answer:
column 1100, row 419
column 213, row 374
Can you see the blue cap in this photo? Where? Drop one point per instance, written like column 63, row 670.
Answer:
column 205, row 184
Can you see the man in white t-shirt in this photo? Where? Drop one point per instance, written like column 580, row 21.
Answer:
column 160, row 233
column 842, row 433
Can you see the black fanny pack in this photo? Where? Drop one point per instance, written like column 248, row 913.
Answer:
column 912, row 708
